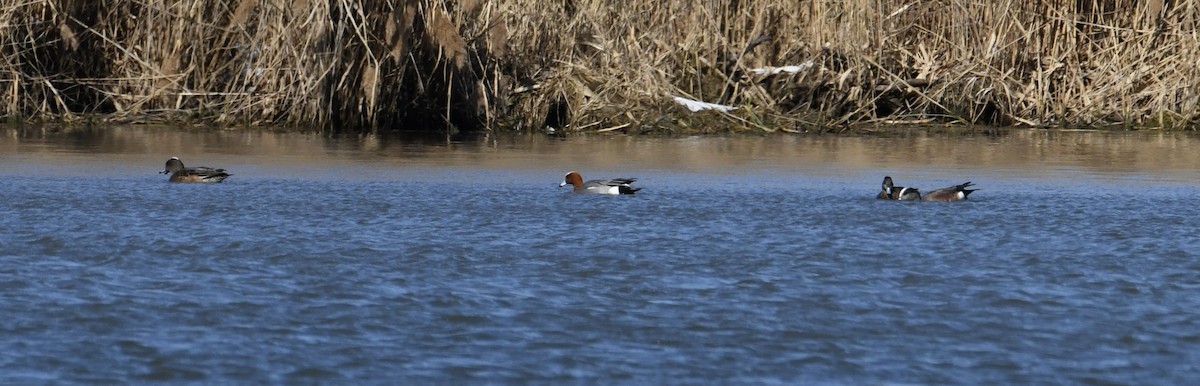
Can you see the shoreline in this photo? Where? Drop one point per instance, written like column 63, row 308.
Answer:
column 442, row 135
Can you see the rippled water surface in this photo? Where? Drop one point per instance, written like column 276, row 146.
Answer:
column 750, row 260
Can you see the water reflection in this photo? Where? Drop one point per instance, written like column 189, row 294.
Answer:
column 1168, row 154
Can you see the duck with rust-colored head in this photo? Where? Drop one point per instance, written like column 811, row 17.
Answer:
column 611, row 186
column 180, row 173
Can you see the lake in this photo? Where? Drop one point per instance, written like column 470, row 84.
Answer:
column 744, row 259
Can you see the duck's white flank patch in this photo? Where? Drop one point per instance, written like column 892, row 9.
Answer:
column 961, row 195
column 605, row 189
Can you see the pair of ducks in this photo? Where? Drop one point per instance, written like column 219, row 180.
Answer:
column 900, row 193
column 181, row 173
column 889, row 192
column 616, row 186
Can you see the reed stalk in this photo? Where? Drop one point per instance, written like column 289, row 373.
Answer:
column 588, row 65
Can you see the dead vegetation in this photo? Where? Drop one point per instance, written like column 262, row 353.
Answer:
column 580, row 65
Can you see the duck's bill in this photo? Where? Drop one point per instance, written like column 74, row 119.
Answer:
column 562, row 184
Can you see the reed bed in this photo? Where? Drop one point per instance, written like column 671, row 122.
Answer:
column 601, row 66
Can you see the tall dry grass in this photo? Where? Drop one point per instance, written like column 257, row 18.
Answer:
column 602, row 65
column 1037, row 63
column 338, row 64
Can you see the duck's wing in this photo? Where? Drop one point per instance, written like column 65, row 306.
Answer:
column 609, row 182
column 202, row 170
column 620, row 181
column 209, row 174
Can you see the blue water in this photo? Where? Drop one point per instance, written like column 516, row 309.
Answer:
column 361, row 271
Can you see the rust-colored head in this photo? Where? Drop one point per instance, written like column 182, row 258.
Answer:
column 574, row 179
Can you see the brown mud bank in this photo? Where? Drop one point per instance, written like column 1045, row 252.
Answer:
column 675, row 66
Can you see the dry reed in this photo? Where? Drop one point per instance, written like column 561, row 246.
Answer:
column 580, row 65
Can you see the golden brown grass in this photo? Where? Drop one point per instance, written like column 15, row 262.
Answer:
column 580, row 65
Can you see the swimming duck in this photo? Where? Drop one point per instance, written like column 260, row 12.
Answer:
column 954, row 193
column 179, row 173
column 611, row 186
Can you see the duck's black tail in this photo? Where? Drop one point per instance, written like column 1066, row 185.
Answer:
column 963, row 188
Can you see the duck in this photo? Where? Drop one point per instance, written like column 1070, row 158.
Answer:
column 953, row 193
column 180, row 173
column 891, row 192
column 615, row 186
